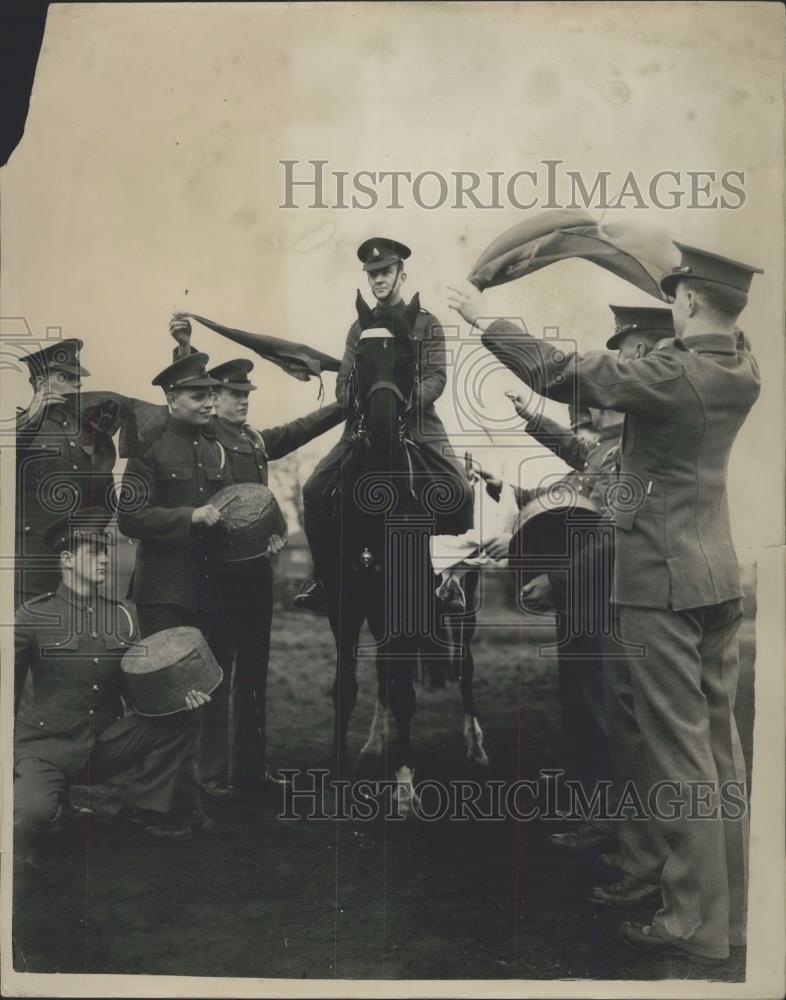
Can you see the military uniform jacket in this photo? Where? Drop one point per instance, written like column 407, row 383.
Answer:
column 248, row 451
column 61, row 464
column 73, row 646
column 595, row 465
column 180, row 471
column 684, row 404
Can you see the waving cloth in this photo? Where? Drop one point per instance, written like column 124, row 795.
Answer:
column 140, row 422
column 640, row 254
column 297, row 360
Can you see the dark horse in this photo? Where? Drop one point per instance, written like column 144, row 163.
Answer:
column 387, row 504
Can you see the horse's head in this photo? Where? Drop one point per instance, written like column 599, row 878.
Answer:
column 385, row 373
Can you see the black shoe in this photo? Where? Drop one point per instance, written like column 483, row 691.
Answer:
column 645, row 938
column 159, row 825
column 311, row 597
column 629, row 891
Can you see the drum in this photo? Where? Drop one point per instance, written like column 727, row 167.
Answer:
column 250, row 516
column 160, row 670
column 546, row 529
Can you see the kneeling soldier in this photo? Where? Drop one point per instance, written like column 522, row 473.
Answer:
column 73, row 728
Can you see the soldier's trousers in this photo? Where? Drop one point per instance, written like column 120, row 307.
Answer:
column 155, row 618
column 160, row 745
column 683, row 690
column 582, row 707
column 234, row 724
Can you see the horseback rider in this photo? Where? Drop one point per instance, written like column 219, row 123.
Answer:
column 383, row 263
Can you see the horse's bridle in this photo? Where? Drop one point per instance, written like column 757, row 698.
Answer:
column 359, row 431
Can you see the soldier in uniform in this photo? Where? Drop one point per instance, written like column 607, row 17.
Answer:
column 241, row 634
column 591, row 728
column 61, row 462
column 165, row 502
column 72, row 727
column 383, row 263
column 677, row 585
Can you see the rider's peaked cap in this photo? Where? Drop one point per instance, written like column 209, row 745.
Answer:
column 379, row 252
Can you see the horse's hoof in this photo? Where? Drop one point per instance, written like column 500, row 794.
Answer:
column 406, row 800
column 473, row 739
column 372, row 747
column 478, row 756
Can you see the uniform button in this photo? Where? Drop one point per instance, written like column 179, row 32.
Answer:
column 95, row 659
column 199, row 464
column 73, row 445
column 95, row 687
column 201, row 490
column 94, row 635
column 76, row 468
column 234, row 447
column 91, row 712
column 196, row 443
column 40, row 723
column 27, row 527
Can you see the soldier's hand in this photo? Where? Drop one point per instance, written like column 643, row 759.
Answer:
column 465, row 300
column 493, row 485
column 537, row 593
column 498, row 547
column 276, row 544
column 207, row 515
column 519, row 405
column 195, row 699
column 180, row 329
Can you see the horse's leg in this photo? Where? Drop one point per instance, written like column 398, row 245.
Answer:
column 345, row 622
column 380, row 723
column 400, row 685
column 473, row 734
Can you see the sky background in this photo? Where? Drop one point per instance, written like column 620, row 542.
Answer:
column 148, row 179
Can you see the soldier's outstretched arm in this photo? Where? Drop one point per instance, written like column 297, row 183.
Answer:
column 644, row 385
column 280, row 441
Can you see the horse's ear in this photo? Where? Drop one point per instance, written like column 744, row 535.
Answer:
column 365, row 315
column 413, row 309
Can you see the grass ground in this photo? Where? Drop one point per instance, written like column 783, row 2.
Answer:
column 262, row 897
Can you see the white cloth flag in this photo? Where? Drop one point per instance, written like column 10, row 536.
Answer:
column 450, row 552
